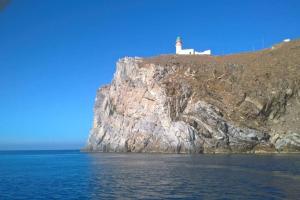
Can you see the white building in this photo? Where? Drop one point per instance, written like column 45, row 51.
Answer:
column 179, row 49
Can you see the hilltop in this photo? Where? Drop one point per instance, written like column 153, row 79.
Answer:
column 246, row 102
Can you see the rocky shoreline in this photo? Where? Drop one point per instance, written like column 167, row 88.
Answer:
column 243, row 103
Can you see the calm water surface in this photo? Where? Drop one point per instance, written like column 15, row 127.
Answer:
column 75, row 175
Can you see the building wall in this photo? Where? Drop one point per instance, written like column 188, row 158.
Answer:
column 181, row 51
column 187, row 51
column 207, row 52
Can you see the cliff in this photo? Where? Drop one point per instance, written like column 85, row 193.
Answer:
column 201, row 104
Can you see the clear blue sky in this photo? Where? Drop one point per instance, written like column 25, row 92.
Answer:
column 54, row 54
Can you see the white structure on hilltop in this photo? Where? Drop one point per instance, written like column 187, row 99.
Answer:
column 179, row 49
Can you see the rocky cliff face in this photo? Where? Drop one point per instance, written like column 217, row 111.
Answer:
column 201, row 104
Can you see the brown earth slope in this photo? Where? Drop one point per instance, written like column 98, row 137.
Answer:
column 257, row 90
column 256, row 95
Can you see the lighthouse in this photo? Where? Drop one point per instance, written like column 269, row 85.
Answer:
column 178, row 45
column 179, row 49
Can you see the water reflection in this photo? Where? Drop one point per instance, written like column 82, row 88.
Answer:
column 75, row 175
column 148, row 176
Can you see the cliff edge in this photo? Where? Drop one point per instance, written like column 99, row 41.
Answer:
column 201, row 104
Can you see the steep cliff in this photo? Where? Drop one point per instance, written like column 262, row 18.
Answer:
column 201, row 104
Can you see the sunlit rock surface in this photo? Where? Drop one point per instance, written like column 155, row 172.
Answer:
column 201, row 104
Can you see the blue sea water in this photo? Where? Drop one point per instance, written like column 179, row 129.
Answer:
column 76, row 175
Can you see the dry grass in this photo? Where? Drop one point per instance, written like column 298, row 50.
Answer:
column 246, row 87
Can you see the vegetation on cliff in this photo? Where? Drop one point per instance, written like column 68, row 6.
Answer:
column 246, row 102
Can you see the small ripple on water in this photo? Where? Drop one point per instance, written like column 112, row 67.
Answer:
column 144, row 176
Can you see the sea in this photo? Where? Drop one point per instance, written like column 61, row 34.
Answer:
column 78, row 175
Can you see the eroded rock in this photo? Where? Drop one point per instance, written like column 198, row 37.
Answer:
column 201, row 104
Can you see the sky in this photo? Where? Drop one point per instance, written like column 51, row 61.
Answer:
column 54, row 54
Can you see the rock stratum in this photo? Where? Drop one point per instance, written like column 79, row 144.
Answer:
column 238, row 103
